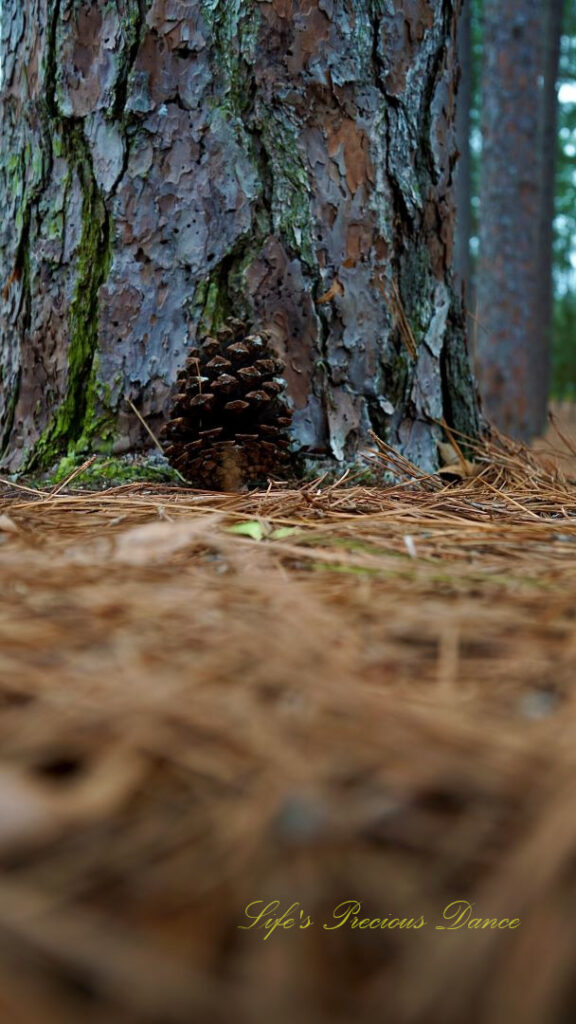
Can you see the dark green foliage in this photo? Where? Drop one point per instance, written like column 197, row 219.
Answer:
column 564, row 350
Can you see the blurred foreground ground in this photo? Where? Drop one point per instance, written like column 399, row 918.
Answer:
column 363, row 695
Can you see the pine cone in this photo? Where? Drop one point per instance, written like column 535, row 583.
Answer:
column 229, row 424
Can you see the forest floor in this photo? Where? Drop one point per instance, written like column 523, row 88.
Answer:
column 214, row 704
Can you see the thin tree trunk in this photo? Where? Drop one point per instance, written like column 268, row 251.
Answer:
column 553, row 13
column 509, row 338
column 463, row 174
column 165, row 165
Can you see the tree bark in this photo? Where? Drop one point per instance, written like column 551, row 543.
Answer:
column 552, row 35
column 463, row 175
column 510, row 343
column 165, row 165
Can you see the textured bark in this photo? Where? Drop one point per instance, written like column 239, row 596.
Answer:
column 553, row 18
column 510, row 342
column 167, row 164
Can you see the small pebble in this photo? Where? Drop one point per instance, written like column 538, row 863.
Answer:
column 539, row 703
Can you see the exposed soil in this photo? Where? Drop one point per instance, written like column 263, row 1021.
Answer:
column 337, row 693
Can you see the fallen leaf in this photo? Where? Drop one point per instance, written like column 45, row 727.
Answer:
column 34, row 808
column 410, row 546
column 253, row 529
column 454, row 464
column 463, row 470
column 282, row 532
column 154, row 542
column 447, row 453
column 8, row 525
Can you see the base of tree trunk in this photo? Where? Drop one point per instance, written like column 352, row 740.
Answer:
column 167, row 166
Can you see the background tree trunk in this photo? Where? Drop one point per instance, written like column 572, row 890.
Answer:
column 510, row 341
column 553, row 18
column 463, row 174
column 164, row 165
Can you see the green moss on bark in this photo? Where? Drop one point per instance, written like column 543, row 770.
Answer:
column 71, row 423
column 104, row 472
column 85, row 415
column 234, row 25
column 268, row 136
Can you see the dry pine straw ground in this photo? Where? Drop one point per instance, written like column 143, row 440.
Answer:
column 313, row 695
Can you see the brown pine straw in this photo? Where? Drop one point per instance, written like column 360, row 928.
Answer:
column 369, row 695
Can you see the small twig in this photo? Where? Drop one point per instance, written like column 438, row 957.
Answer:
column 512, row 501
column 152, row 435
column 452, row 441
column 198, row 376
column 395, row 302
column 21, row 487
column 144, row 424
column 563, row 437
column 76, row 472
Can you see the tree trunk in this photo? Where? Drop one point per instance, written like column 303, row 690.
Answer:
column 462, row 263
column 165, row 165
column 553, row 17
column 510, row 343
